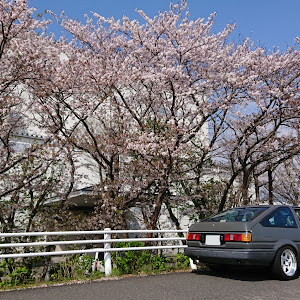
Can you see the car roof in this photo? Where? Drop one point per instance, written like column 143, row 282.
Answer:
column 265, row 206
column 254, row 206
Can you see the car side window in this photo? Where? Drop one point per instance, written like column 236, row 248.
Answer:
column 297, row 211
column 281, row 217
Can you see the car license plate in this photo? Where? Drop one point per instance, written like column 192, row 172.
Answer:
column 212, row 240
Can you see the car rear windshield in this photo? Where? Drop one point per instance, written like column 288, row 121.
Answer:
column 238, row 214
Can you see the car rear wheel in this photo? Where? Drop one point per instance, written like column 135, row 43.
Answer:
column 285, row 265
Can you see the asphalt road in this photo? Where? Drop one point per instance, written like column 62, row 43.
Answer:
column 204, row 284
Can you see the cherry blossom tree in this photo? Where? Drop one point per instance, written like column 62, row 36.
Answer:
column 28, row 161
column 151, row 108
column 263, row 134
column 140, row 99
column 16, row 26
column 285, row 187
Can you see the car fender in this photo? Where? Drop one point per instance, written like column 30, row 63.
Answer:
column 281, row 243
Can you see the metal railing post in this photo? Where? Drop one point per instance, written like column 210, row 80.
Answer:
column 107, row 256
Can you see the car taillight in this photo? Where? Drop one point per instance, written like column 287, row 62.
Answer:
column 193, row 236
column 237, row 237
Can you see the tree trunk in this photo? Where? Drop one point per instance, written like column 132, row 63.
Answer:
column 226, row 191
column 270, row 186
column 245, row 187
column 256, row 184
column 175, row 220
column 157, row 209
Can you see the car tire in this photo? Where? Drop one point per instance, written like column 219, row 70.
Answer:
column 285, row 265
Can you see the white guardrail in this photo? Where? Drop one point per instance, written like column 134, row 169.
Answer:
column 107, row 241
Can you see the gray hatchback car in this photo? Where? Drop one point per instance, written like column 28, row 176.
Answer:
column 265, row 235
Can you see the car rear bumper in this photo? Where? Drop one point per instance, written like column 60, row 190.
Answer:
column 262, row 257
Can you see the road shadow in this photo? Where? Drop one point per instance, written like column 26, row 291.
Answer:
column 250, row 274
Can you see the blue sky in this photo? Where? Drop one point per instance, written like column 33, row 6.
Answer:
column 267, row 22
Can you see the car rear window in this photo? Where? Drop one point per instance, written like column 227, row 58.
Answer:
column 238, row 214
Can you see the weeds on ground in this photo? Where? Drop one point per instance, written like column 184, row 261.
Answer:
column 145, row 261
column 74, row 267
column 14, row 274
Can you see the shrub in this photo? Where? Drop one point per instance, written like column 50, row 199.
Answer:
column 129, row 262
column 182, row 261
column 133, row 262
column 18, row 276
column 75, row 266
